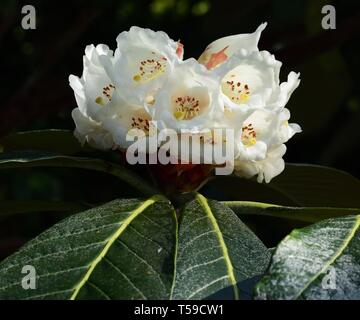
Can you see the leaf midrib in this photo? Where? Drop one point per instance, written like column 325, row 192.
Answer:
column 110, row 242
column 175, row 255
column 230, row 270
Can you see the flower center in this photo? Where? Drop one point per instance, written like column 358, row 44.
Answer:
column 140, row 123
column 141, row 120
column 186, row 108
column 151, row 68
column 238, row 92
column 106, row 97
column 248, row 137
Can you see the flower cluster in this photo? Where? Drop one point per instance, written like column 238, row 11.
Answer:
column 232, row 85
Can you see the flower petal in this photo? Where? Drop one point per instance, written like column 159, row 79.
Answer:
column 222, row 49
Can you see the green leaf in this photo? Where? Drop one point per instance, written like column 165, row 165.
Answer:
column 321, row 261
column 19, row 207
column 35, row 159
column 299, row 185
column 215, row 250
column 308, row 214
column 235, row 188
column 318, row 186
column 246, row 287
column 53, row 140
column 122, row 250
column 133, row 249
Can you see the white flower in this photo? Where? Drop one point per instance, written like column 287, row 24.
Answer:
column 255, row 107
column 265, row 169
column 254, row 104
column 190, row 102
column 142, row 61
column 261, row 143
column 222, row 49
column 94, row 89
column 103, row 117
column 91, row 132
column 250, row 81
column 250, row 78
column 264, row 129
column 123, row 118
column 93, row 92
column 190, row 99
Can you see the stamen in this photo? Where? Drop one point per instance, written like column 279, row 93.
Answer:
column 141, row 121
column 236, row 91
column 106, row 97
column 149, row 69
column 248, row 136
column 187, row 108
column 150, row 100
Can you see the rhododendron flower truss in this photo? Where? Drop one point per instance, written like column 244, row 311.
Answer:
column 146, row 85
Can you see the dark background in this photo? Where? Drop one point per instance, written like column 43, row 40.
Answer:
column 35, row 65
